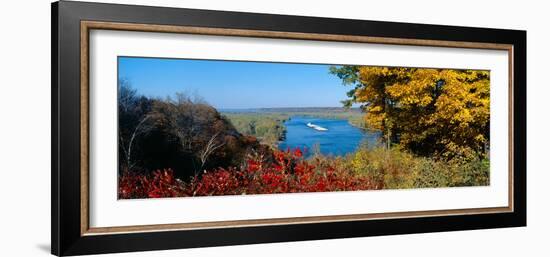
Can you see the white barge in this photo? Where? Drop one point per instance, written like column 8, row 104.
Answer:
column 316, row 127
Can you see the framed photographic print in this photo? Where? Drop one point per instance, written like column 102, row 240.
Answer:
column 177, row 128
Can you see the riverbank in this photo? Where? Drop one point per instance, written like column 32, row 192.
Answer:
column 268, row 124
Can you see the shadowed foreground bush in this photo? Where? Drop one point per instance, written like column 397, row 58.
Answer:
column 283, row 172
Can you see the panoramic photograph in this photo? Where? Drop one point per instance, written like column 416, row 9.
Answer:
column 191, row 128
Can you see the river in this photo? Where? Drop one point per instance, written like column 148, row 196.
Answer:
column 340, row 139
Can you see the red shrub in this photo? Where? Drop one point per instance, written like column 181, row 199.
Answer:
column 288, row 172
column 159, row 184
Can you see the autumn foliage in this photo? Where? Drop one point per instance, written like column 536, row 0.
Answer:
column 283, row 172
column 441, row 112
column 434, row 125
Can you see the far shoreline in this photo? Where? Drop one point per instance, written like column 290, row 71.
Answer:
column 268, row 124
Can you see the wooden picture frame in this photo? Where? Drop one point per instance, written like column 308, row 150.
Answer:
column 71, row 25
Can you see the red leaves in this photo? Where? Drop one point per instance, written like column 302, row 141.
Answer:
column 253, row 166
column 288, row 172
column 297, row 153
column 220, row 182
column 161, row 184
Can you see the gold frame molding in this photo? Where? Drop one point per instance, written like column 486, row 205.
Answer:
column 86, row 26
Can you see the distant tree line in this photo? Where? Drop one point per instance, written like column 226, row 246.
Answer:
column 267, row 127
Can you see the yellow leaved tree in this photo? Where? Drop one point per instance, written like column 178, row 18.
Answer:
column 441, row 112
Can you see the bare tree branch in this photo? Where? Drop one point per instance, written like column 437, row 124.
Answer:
column 210, row 147
column 139, row 129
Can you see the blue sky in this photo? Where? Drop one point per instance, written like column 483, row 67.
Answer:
column 232, row 84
